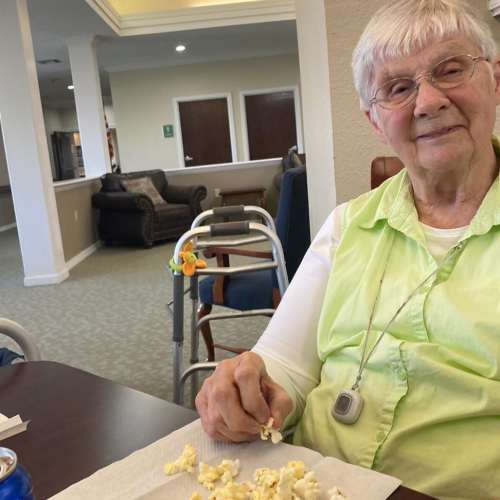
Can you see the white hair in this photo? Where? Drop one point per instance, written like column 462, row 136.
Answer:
column 403, row 26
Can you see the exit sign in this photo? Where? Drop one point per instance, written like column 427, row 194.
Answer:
column 168, row 130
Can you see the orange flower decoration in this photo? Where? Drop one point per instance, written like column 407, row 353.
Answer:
column 189, row 261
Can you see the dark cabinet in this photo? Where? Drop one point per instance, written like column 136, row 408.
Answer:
column 67, row 152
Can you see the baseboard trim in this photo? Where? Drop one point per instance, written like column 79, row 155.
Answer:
column 7, row 227
column 74, row 261
column 46, row 279
column 54, row 279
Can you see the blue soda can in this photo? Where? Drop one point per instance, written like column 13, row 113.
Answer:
column 15, row 482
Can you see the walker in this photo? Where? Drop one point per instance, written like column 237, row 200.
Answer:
column 238, row 233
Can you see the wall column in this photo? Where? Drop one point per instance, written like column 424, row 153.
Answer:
column 316, row 109
column 89, row 107
column 26, row 151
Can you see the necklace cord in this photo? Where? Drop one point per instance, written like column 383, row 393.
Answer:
column 364, row 361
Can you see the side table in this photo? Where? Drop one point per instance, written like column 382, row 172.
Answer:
column 245, row 196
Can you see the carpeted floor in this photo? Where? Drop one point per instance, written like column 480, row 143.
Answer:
column 109, row 317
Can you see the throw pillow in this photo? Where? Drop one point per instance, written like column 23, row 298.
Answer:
column 144, row 185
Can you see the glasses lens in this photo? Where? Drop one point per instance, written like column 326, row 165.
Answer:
column 453, row 71
column 395, row 92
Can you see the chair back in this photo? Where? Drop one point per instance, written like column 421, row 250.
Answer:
column 292, row 218
column 384, row 167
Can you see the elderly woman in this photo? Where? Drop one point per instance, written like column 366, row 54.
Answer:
column 385, row 351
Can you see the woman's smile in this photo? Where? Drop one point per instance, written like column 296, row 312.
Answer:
column 439, row 133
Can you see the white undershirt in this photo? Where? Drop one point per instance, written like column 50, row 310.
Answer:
column 439, row 241
column 289, row 343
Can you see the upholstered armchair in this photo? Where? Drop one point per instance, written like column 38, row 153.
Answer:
column 142, row 207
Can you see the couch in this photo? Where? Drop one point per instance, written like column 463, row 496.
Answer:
column 143, row 207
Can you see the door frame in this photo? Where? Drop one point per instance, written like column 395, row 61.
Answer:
column 230, row 113
column 243, row 114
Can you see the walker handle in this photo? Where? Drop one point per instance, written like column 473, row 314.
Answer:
column 230, row 228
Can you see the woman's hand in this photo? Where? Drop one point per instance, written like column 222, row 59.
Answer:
column 239, row 397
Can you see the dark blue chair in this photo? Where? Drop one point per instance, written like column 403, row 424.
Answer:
column 8, row 357
column 259, row 289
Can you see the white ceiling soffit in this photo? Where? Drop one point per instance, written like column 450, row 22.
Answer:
column 495, row 7
column 195, row 17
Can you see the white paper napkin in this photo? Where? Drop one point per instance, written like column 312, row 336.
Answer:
column 140, row 475
column 11, row 426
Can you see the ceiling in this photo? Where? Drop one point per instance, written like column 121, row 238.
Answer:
column 54, row 21
column 134, row 7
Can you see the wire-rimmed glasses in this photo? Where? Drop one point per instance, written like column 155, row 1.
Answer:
column 446, row 74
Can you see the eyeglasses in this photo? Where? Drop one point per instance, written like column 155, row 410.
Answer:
column 447, row 74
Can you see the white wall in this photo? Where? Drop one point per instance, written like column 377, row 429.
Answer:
column 4, row 175
column 69, row 121
column 142, row 102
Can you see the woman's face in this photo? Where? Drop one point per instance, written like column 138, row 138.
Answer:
column 440, row 129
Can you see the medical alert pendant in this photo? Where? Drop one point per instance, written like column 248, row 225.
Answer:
column 347, row 406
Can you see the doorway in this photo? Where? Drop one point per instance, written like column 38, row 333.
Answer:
column 206, row 130
column 271, row 122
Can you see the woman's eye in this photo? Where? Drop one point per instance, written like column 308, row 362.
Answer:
column 398, row 88
column 449, row 70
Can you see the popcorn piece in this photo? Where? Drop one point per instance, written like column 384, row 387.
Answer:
column 195, row 496
column 284, row 489
column 299, row 468
column 208, row 475
column 266, row 477
column 226, row 471
column 267, row 431
column 307, row 488
column 266, row 482
column 184, row 463
column 230, row 469
column 335, row 494
column 232, row 491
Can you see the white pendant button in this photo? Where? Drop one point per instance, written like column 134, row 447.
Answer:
column 347, row 407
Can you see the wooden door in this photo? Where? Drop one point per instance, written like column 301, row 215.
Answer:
column 206, row 138
column 271, row 125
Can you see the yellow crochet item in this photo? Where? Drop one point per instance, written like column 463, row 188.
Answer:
column 189, row 261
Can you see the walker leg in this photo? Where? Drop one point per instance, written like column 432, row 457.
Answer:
column 195, row 339
column 177, row 372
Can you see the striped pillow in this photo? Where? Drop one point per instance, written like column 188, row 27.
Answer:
column 144, row 185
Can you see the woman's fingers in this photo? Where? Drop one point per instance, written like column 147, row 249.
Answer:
column 220, row 401
column 226, row 401
column 239, row 397
column 280, row 404
column 248, row 375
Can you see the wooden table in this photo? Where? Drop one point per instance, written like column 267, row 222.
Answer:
column 81, row 423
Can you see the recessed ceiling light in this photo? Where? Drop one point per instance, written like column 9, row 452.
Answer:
column 180, row 48
column 71, row 87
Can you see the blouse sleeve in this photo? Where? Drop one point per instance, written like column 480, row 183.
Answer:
column 288, row 345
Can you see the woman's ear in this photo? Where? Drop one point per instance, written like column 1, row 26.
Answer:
column 496, row 75
column 373, row 119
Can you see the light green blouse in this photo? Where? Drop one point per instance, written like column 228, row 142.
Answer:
column 431, row 389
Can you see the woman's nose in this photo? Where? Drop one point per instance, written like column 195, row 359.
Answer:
column 429, row 99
